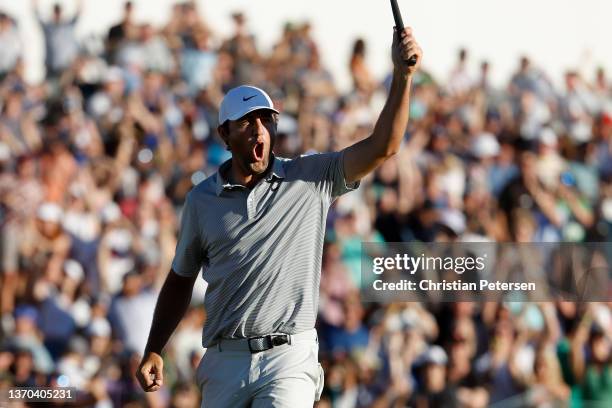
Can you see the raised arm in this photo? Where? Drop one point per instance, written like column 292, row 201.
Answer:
column 78, row 12
column 578, row 363
column 172, row 303
column 364, row 156
column 36, row 11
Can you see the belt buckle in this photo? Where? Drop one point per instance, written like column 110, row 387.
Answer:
column 269, row 343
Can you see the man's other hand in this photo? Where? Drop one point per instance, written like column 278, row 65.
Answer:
column 150, row 373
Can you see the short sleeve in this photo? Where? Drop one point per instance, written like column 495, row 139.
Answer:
column 189, row 255
column 328, row 172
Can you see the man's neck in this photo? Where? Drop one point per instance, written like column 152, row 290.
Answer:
column 236, row 175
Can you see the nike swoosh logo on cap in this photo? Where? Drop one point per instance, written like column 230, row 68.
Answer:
column 246, row 99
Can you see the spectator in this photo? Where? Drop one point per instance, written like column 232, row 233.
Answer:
column 352, row 335
column 145, row 52
column 45, row 246
column 17, row 127
column 500, row 364
column 21, row 194
column 124, row 30
column 593, row 374
column 434, row 391
column 27, row 338
column 548, row 387
column 190, row 23
column 363, row 82
column 61, row 46
column 188, row 340
column 10, row 44
column 198, row 63
column 129, row 313
column 460, row 81
column 243, row 51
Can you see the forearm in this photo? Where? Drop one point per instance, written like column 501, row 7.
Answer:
column 172, row 303
column 577, row 360
column 582, row 214
column 391, row 125
column 366, row 155
column 552, row 329
column 546, row 204
column 36, row 11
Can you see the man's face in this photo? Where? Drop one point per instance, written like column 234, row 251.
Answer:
column 251, row 139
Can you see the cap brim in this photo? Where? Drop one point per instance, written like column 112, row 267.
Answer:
column 249, row 110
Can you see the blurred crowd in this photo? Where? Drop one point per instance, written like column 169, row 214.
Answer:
column 96, row 160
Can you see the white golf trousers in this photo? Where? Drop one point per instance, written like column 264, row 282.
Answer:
column 286, row 376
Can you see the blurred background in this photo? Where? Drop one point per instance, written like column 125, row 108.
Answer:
column 108, row 116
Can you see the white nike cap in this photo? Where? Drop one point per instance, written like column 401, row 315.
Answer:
column 242, row 100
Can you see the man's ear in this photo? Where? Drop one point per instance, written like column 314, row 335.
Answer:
column 222, row 130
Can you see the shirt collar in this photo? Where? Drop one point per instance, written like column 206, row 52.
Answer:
column 278, row 172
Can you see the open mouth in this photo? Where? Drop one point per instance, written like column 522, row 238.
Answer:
column 258, row 151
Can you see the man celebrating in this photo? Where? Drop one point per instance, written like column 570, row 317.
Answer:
column 257, row 227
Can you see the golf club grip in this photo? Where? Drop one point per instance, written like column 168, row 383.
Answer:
column 399, row 26
column 397, row 16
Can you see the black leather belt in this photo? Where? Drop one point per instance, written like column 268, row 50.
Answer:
column 263, row 343
column 254, row 344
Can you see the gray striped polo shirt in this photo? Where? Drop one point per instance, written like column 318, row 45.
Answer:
column 261, row 248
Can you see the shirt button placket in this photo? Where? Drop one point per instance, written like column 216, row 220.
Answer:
column 251, row 205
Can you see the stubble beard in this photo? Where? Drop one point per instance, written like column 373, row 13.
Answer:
column 260, row 167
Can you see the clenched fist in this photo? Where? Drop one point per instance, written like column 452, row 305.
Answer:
column 403, row 48
column 150, row 373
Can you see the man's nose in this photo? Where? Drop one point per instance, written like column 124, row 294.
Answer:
column 258, row 128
